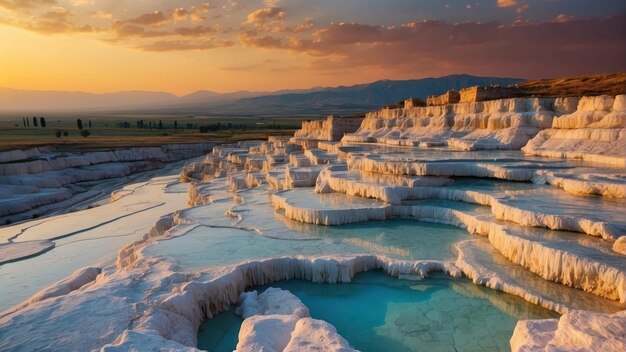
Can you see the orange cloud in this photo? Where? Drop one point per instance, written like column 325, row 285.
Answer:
column 25, row 4
column 507, row 3
column 182, row 45
column 155, row 18
column 57, row 20
column 266, row 14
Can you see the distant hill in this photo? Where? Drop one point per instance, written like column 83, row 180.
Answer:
column 600, row 84
column 358, row 98
column 314, row 101
column 48, row 101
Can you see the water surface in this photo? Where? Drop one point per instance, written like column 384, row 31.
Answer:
column 376, row 312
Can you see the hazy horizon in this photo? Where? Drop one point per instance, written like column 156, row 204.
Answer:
column 288, row 89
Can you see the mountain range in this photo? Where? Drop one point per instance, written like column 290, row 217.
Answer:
column 314, row 101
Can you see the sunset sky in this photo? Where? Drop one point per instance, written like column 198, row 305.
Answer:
column 226, row 45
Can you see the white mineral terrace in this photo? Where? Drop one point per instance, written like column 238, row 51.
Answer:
column 517, row 204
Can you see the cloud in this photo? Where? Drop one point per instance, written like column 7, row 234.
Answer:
column 522, row 8
column 178, row 45
column 266, row 14
column 57, row 20
column 270, row 3
column 170, row 30
column 563, row 18
column 305, row 26
column 15, row 5
column 194, row 14
column 196, row 31
column 272, row 19
column 565, row 44
column 251, row 39
column 232, row 6
column 528, row 50
column 102, row 14
column 507, row 3
column 125, row 31
column 82, row 2
column 155, row 18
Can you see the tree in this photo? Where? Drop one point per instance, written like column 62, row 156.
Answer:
column 34, row 121
column 175, row 125
column 65, row 133
column 58, row 133
column 79, row 124
column 160, row 124
column 23, row 121
column 85, row 133
column 42, row 122
column 27, row 122
column 89, row 123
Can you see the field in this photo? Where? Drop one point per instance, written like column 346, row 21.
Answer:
column 127, row 130
column 578, row 86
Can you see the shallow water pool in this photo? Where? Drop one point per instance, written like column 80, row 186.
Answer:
column 377, row 312
column 203, row 246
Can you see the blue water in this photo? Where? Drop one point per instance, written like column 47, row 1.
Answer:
column 379, row 313
column 403, row 239
column 220, row 333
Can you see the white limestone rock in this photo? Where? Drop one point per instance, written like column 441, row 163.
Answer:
column 619, row 246
column 266, row 333
column 271, row 301
column 596, row 131
column 316, row 335
column 496, row 124
column 574, row 331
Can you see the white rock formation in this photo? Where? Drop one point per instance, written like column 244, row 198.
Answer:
column 574, row 331
column 620, row 245
column 316, row 335
column 146, row 300
column 394, row 189
column 269, row 319
column 276, row 320
column 271, row 301
column 331, row 129
column 602, row 276
column 496, row 124
column 609, row 186
column 40, row 178
column 596, row 131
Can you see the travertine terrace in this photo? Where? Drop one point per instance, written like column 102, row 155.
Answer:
column 524, row 196
column 40, row 181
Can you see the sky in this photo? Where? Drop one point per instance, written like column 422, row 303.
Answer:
column 265, row 45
